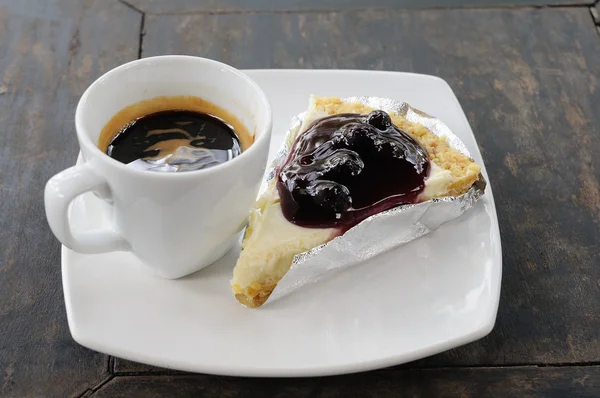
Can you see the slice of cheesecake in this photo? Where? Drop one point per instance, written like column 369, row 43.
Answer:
column 277, row 233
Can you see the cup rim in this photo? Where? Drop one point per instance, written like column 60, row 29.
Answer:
column 263, row 134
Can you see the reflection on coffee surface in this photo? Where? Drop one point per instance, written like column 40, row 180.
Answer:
column 185, row 138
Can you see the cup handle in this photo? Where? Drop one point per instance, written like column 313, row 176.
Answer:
column 60, row 191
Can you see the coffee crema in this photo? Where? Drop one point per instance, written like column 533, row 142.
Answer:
column 181, row 133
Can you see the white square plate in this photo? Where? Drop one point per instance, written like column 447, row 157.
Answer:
column 433, row 294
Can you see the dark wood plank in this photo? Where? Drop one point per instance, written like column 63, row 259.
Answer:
column 531, row 92
column 124, row 367
column 576, row 382
column 595, row 10
column 219, row 6
column 49, row 52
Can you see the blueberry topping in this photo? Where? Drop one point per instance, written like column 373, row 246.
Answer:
column 379, row 120
column 347, row 167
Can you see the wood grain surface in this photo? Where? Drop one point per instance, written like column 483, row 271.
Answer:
column 527, row 77
column 240, row 6
column 595, row 10
column 573, row 382
column 49, row 53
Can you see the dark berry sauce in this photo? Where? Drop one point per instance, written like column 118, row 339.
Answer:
column 347, row 167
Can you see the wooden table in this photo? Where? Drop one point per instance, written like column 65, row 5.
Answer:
column 527, row 74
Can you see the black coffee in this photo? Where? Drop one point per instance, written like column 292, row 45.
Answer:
column 175, row 140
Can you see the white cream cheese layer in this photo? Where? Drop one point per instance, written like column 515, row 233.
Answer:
column 438, row 181
column 271, row 242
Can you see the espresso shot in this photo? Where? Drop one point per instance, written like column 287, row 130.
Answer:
column 174, row 134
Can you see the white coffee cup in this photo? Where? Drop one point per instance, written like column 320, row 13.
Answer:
column 179, row 222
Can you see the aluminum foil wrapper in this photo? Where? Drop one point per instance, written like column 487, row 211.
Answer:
column 382, row 231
